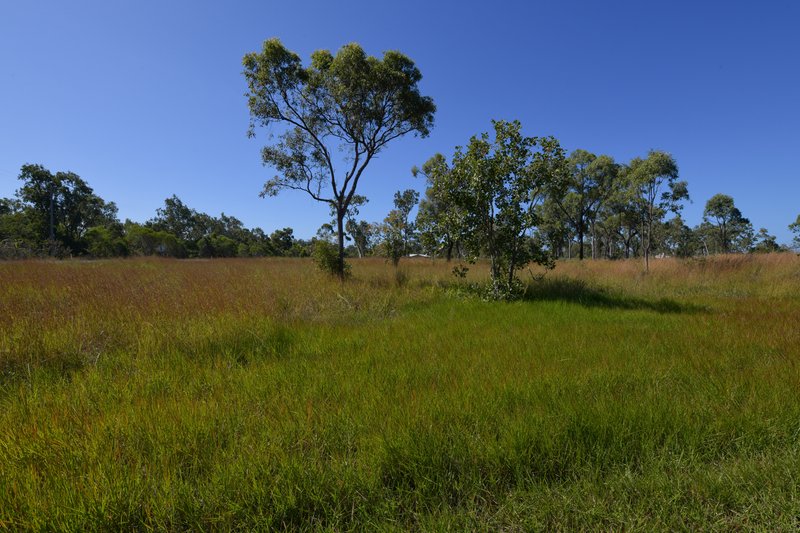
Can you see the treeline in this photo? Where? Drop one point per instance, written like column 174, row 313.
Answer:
column 582, row 206
column 59, row 215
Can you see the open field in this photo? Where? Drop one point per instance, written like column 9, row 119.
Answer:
column 260, row 394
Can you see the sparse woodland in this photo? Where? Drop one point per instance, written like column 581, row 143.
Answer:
column 535, row 340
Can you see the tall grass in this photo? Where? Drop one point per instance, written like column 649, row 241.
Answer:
column 259, row 394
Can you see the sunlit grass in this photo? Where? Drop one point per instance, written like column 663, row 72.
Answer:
column 261, row 394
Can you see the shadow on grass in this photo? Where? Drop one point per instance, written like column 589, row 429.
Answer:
column 580, row 292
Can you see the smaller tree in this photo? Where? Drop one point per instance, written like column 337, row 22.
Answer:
column 657, row 192
column 392, row 236
column 362, row 233
column 766, row 243
column 282, row 241
column 582, row 190
column 404, row 203
column 731, row 230
column 397, row 230
column 679, row 239
column 62, row 207
column 177, row 218
column 794, row 227
column 144, row 240
column 497, row 186
column 106, row 242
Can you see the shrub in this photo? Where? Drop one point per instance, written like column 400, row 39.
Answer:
column 326, row 257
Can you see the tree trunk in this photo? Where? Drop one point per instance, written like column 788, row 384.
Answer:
column 52, row 226
column 580, row 243
column 511, row 264
column 449, row 252
column 340, row 235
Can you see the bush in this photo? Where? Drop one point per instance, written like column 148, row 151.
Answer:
column 326, row 257
column 18, row 249
column 103, row 242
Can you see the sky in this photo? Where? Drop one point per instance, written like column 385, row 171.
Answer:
column 145, row 99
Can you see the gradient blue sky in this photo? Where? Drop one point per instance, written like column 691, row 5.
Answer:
column 144, row 99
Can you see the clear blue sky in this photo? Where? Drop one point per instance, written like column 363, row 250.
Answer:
column 144, row 99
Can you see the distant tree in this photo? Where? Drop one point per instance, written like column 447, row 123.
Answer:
column 362, row 233
column 20, row 229
column 731, row 230
column 553, row 229
column 259, row 244
column 620, row 218
column 62, row 207
column 106, row 242
column 397, row 229
column 349, row 102
column 657, row 191
column 392, row 236
column 326, row 233
column 581, row 191
column 180, row 220
column 404, row 203
column 794, row 227
column 282, row 241
column 144, row 240
column 231, row 228
column 679, row 239
column 766, row 243
column 217, row 246
column 6, row 206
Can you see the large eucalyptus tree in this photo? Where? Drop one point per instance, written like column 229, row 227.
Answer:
column 338, row 113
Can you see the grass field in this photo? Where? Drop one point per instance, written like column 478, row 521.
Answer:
column 260, row 394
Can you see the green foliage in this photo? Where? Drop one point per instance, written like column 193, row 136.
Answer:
column 106, row 242
column 203, row 235
column 581, row 191
column 496, row 188
column 392, row 237
column 730, row 231
column 397, row 231
column 679, row 239
column 794, row 227
column 282, row 241
column 326, row 257
column 217, row 246
column 18, row 230
column 53, row 212
column 655, row 189
column 350, row 103
column 143, row 240
column 363, row 234
column 766, row 243
column 439, row 218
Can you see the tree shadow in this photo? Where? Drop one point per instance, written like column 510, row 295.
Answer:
column 580, row 292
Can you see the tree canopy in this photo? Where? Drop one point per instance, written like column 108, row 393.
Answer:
column 495, row 186
column 730, row 230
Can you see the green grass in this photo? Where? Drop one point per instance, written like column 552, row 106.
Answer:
column 261, row 395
